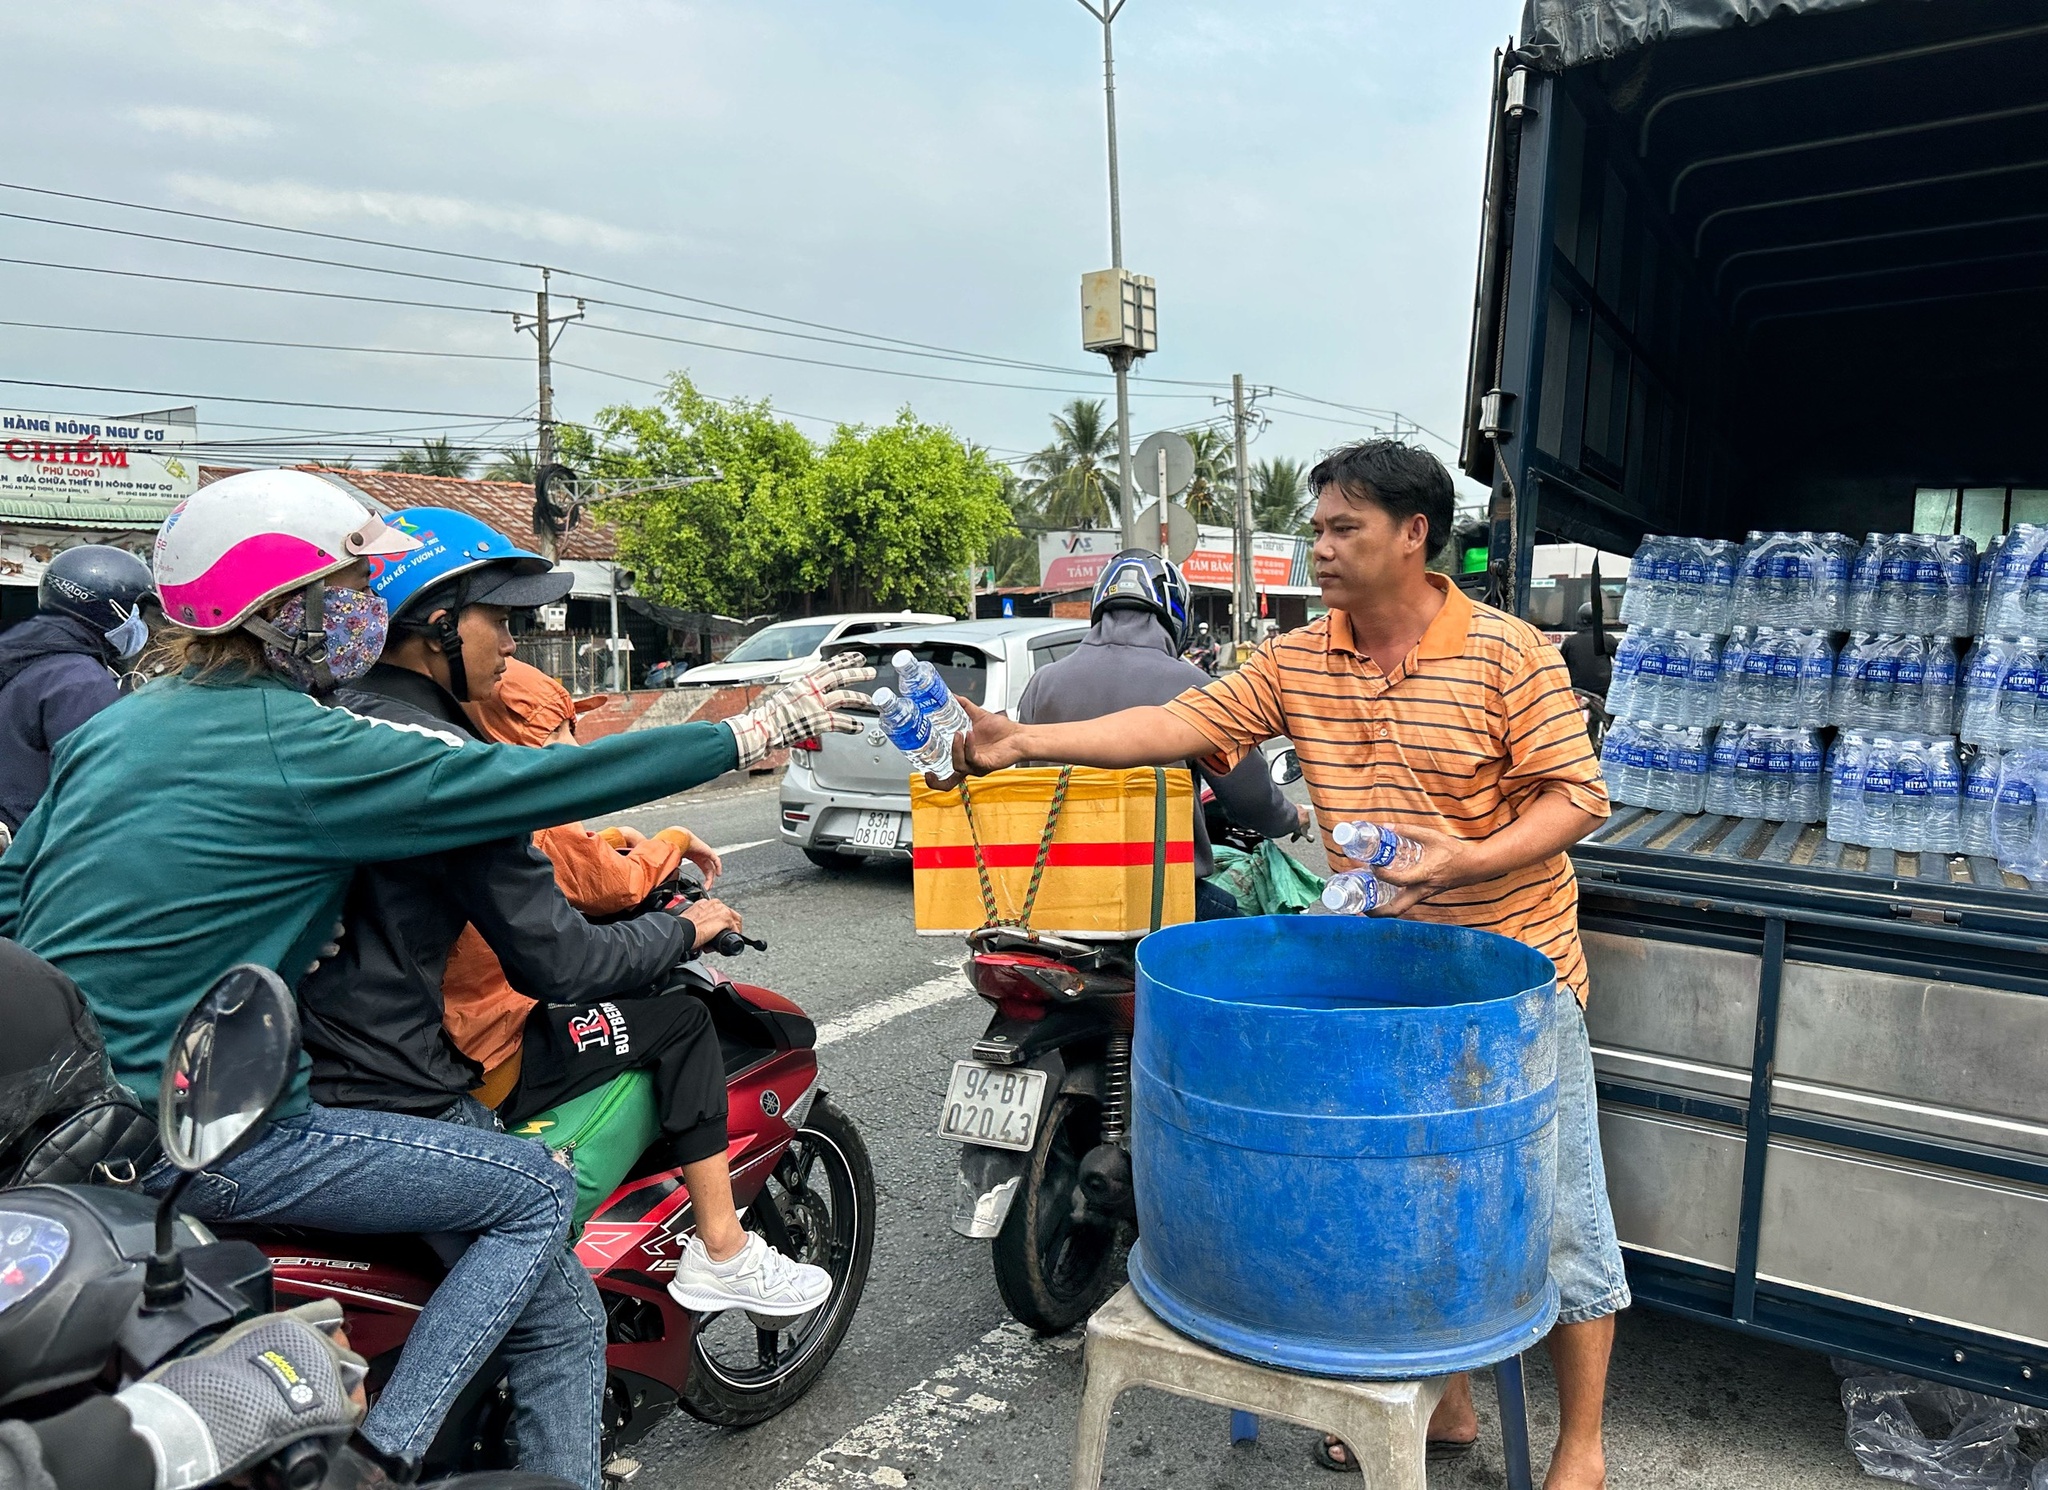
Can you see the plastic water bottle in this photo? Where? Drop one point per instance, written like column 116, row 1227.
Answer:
column 1375, row 846
column 1721, row 766
column 1845, row 789
column 1938, row 714
column 921, row 684
column 1980, row 792
column 1880, row 806
column 1941, row 828
column 1752, row 764
column 1912, row 779
column 1977, row 716
column 1355, row 892
column 2019, row 689
column 910, row 732
column 1734, row 658
column 2015, row 833
column 1807, row 804
column 1614, row 750
column 1703, row 685
column 1690, row 749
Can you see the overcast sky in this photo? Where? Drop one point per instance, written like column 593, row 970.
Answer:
column 1302, row 179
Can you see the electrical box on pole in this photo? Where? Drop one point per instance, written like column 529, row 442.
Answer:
column 1119, row 312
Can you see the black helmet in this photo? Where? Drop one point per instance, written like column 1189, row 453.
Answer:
column 1585, row 613
column 1138, row 580
column 102, row 587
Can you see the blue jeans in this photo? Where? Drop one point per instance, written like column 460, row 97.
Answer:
column 349, row 1170
column 1214, row 903
column 1585, row 1258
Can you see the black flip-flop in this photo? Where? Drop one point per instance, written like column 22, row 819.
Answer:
column 1435, row 1449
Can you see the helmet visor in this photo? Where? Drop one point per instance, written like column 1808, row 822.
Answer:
column 377, row 537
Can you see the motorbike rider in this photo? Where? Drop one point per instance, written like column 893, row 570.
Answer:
column 373, row 1013
column 61, row 666
column 1202, row 651
column 218, row 816
column 1138, row 623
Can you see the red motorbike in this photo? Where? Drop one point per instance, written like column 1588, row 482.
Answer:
column 802, row 1178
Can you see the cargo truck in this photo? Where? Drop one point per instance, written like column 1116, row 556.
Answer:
column 1786, row 267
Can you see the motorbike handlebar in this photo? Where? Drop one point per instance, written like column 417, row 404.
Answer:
column 726, row 943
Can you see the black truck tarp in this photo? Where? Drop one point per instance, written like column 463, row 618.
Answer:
column 1566, row 33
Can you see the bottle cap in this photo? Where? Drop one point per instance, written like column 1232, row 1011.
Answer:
column 884, row 697
column 904, row 659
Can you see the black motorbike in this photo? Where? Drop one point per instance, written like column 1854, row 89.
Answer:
column 1042, row 1111
column 99, row 1285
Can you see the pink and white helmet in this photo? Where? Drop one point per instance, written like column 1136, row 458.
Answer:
column 238, row 544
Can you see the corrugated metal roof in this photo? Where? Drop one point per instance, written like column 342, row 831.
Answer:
column 505, row 505
column 84, row 514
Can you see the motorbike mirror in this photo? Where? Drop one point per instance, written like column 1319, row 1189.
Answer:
column 1286, row 767
column 229, row 1064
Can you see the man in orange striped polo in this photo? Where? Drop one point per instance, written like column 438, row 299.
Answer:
column 1453, row 723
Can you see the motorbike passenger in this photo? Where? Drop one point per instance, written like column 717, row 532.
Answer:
column 217, row 817
column 375, row 1020
column 1138, row 623
column 61, row 666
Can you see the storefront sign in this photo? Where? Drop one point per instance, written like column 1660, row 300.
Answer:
column 71, row 458
column 1074, row 560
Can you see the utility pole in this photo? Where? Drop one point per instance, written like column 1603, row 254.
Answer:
column 1247, row 585
column 546, row 330
column 1120, row 359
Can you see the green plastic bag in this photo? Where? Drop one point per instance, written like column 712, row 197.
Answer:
column 602, row 1134
column 1271, row 882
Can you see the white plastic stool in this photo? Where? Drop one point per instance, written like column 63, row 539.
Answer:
column 1383, row 1423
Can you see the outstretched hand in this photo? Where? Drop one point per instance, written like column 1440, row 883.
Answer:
column 987, row 744
column 813, row 705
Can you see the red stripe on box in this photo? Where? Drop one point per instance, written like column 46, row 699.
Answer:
column 1069, row 855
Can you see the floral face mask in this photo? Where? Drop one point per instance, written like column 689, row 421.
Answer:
column 355, row 622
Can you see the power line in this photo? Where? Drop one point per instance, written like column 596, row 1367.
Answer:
column 284, row 403
column 251, row 341
column 231, row 284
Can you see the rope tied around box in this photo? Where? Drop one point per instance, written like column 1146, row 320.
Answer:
column 988, row 889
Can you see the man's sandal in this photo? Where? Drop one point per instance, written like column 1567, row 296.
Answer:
column 1327, row 1450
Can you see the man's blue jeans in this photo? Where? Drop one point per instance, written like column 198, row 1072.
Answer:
column 344, row 1169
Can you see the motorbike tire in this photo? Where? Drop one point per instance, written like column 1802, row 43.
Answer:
column 1051, row 1270
column 714, row 1397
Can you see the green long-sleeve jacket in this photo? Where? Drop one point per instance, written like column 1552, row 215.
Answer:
column 194, row 826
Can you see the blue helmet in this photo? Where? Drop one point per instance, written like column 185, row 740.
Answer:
column 493, row 570
column 1139, row 580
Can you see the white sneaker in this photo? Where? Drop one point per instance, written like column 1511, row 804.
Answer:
column 756, row 1278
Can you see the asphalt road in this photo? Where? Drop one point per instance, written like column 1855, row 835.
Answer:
column 935, row 1387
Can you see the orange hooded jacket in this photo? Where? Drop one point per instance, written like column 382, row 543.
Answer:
column 485, row 1016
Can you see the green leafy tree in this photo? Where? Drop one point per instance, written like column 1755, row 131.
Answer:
column 514, row 464
column 436, row 456
column 1071, row 479
column 881, row 518
column 1279, row 496
column 724, row 545
column 894, row 516
column 1212, row 496
column 1013, row 556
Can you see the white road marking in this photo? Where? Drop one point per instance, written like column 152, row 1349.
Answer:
column 873, row 1016
column 733, row 848
column 915, row 1431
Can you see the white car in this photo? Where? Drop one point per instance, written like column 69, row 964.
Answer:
column 789, row 649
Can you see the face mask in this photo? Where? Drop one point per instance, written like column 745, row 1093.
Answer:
column 127, row 638
column 355, row 622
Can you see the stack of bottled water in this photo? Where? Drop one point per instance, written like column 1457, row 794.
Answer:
column 2019, row 832
column 2002, row 706
column 1901, row 683
column 1684, row 584
column 1663, row 676
column 1980, row 792
column 922, row 720
column 1913, row 582
column 1659, row 766
column 1895, row 791
column 1778, row 676
column 2016, row 601
column 1757, row 770
column 1798, row 580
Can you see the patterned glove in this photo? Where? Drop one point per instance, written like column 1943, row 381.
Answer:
column 803, row 709
column 259, row 1388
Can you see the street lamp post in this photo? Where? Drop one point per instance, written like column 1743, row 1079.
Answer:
column 1128, row 347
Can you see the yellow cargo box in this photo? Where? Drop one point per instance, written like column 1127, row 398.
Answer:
column 1118, row 852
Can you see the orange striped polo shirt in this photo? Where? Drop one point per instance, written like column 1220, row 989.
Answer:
column 1474, row 723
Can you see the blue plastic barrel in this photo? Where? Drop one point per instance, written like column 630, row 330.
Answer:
column 1344, row 1142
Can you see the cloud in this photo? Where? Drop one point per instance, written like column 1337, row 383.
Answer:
column 301, row 202
column 197, row 124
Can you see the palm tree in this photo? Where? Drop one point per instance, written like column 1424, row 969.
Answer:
column 437, row 456
column 514, row 464
column 1279, row 496
column 1070, row 484
column 1212, row 496
column 1014, row 556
